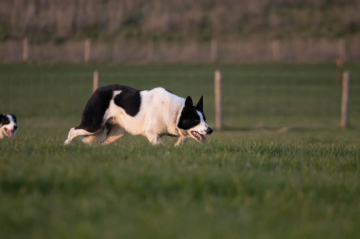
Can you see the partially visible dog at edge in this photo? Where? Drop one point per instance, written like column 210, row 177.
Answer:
column 150, row 113
column 8, row 126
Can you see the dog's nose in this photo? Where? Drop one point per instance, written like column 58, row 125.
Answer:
column 15, row 127
column 209, row 130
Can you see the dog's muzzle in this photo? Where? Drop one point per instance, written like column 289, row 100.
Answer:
column 209, row 130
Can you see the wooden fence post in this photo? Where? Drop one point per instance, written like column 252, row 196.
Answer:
column 218, row 100
column 87, row 50
column 345, row 99
column 342, row 49
column 214, row 50
column 96, row 80
column 25, row 49
column 150, row 50
column 339, row 71
column 275, row 49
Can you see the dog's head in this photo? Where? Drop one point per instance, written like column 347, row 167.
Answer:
column 192, row 120
column 8, row 125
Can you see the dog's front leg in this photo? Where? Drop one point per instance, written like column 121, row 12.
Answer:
column 181, row 140
column 154, row 138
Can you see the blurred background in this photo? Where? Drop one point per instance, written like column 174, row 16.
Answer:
column 179, row 30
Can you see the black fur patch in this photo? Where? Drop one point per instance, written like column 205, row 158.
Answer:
column 189, row 117
column 92, row 118
column 130, row 100
column 4, row 120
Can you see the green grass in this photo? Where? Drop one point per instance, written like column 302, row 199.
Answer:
column 251, row 180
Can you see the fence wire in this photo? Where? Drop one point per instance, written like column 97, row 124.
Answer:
column 253, row 97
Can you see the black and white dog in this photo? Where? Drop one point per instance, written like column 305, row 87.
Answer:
column 8, row 126
column 152, row 113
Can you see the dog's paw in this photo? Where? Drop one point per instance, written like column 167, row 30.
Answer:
column 181, row 141
column 67, row 142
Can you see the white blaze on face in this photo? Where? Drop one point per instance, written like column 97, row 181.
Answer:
column 200, row 129
column 202, row 126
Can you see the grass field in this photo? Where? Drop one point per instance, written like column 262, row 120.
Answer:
column 281, row 168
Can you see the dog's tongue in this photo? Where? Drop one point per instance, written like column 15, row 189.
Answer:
column 201, row 137
column 11, row 132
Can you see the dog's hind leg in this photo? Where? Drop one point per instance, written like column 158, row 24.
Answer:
column 153, row 138
column 114, row 133
column 94, row 138
column 73, row 133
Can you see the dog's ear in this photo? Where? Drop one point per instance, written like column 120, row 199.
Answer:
column 188, row 102
column 199, row 105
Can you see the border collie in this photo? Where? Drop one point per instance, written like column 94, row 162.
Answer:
column 8, row 125
column 151, row 113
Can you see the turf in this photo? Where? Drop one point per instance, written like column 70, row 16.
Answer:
column 281, row 168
